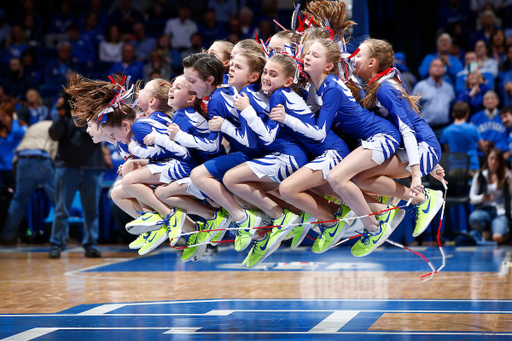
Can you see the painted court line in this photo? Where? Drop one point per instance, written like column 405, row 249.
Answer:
column 102, row 309
column 182, row 330
column 334, row 322
column 30, row 334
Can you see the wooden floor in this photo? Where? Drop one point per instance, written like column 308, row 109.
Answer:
column 31, row 283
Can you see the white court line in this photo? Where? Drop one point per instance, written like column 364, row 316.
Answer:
column 30, row 334
column 102, row 309
column 114, row 261
column 182, row 330
column 334, row 322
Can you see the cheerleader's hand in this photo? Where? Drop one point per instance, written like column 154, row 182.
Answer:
column 278, row 113
column 215, row 123
column 173, row 130
column 416, row 186
column 439, row 173
column 242, row 102
column 149, row 139
column 120, row 171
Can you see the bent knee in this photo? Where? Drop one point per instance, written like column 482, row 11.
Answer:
column 287, row 191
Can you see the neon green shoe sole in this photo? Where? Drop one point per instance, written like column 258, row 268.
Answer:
column 284, row 225
column 194, row 251
column 220, row 221
column 301, row 231
column 154, row 240
column 149, row 221
column 244, row 235
column 260, row 251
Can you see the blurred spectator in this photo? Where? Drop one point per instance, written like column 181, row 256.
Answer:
column 96, row 7
column 265, row 30
column 158, row 64
column 28, row 8
column 488, row 22
column 235, row 27
column 233, row 38
column 33, row 33
column 180, row 29
column 125, row 17
column 505, row 78
column 38, row 112
column 16, row 83
column 57, row 69
column 143, row 45
column 462, row 137
column 82, row 49
column 486, row 64
column 437, row 99
column 210, row 29
column 78, row 166
column 160, row 11
column 59, row 22
column 91, row 30
column 473, row 94
column 129, row 65
column 224, row 10
column 30, row 69
column 453, row 12
column 196, row 46
column 5, row 28
column 451, row 65
column 246, row 26
column 11, row 133
column 34, row 168
column 490, row 191
column 16, row 43
column 460, row 38
column 111, row 48
column 506, row 119
column 471, row 62
column 497, row 46
column 488, row 122
column 480, row 5
column 171, row 56
column 400, row 64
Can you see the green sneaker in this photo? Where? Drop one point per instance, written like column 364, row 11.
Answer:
column 175, row 222
column 139, row 242
column 154, row 240
column 221, row 220
column 392, row 217
column 331, row 235
column 260, row 251
column 149, row 221
column 194, row 251
column 244, row 235
column 300, row 231
column 284, row 225
column 367, row 243
column 426, row 211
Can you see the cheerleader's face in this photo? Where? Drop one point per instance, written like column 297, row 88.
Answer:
column 146, row 96
column 197, row 84
column 179, row 96
column 121, row 134
column 315, row 62
column 277, row 44
column 216, row 51
column 239, row 73
column 364, row 63
column 273, row 77
column 96, row 131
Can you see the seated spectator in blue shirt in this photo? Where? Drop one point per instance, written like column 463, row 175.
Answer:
column 400, row 64
column 246, row 26
column 471, row 62
column 143, row 45
column 16, row 83
column 506, row 119
column 38, row 111
column 91, row 30
column 171, row 55
column 488, row 122
column 210, row 29
column 486, row 64
column 437, row 97
column 462, row 137
column 125, row 17
column 129, row 65
column 96, row 6
column 56, row 69
column 158, row 64
column 59, row 22
column 16, row 43
column 451, row 64
column 82, row 49
column 11, row 133
column 33, row 73
column 474, row 92
column 224, row 10
column 452, row 12
column 488, row 21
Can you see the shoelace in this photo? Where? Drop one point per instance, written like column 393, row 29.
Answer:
column 365, row 237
